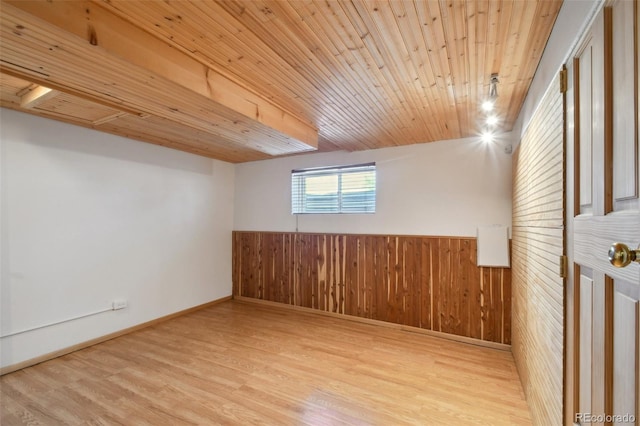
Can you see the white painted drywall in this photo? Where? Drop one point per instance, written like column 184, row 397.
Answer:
column 89, row 217
column 439, row 188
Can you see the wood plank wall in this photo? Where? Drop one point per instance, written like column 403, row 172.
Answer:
column 538, row 243
column 427, row 282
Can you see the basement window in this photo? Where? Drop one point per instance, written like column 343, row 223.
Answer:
column 340, row 189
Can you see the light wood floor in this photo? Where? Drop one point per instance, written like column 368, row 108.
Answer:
column 238, row 363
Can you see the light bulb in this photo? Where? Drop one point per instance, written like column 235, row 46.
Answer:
column 492, row 120
column 487, row 137
column 487, row 106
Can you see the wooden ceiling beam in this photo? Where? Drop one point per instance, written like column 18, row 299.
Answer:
column 108, row 118
column 87, row 48
column 36, row 96
column 39, row 79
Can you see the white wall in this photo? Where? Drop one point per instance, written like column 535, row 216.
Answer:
column 89, row 217
column 440, row 188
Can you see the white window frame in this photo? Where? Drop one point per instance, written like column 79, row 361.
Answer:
column 300, row 203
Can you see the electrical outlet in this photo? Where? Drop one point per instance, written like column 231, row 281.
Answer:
column 118, row 304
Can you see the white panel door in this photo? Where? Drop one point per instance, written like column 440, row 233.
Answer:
column 603, row 313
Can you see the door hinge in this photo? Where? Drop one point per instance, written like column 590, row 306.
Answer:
column 563, row 80
column 563, row 267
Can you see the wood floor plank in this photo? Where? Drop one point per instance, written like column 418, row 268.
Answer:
column 237, row 363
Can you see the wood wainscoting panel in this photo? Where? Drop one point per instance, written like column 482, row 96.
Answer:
column 431, row 283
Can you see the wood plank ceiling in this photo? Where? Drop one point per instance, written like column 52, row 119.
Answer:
column 243, row 80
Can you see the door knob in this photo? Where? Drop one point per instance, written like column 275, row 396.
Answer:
column 620, row 255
